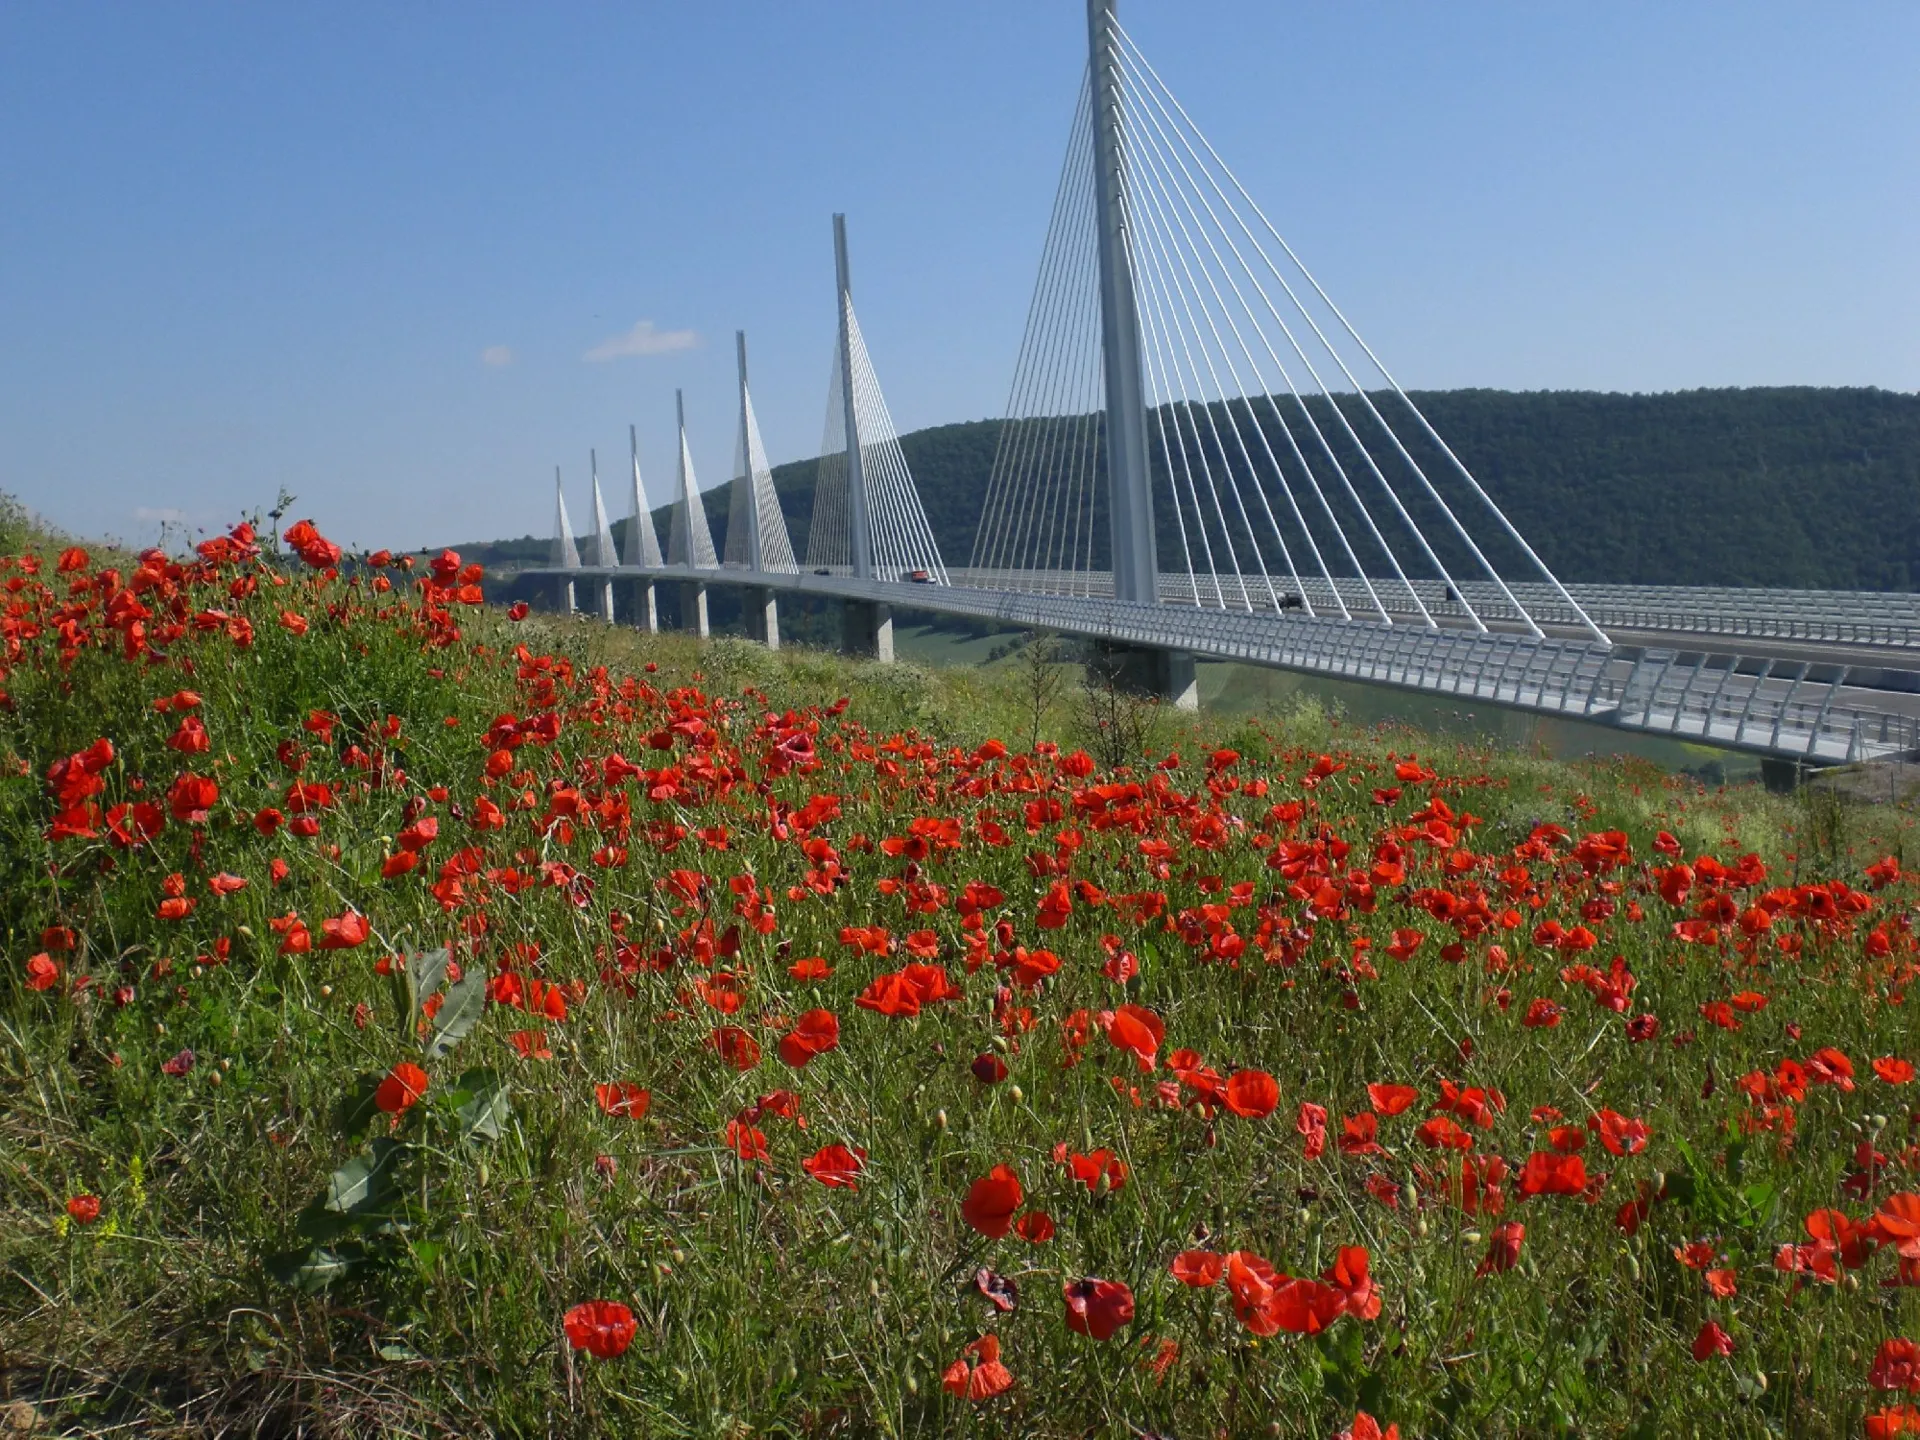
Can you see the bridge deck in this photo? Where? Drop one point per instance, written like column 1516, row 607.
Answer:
column 1790, row 708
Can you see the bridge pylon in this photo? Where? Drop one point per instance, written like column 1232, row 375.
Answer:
column 563, row 554
column 643, row 544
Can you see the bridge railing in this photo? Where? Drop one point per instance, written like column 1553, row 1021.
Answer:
column 1842, row 617
column 1784, row 707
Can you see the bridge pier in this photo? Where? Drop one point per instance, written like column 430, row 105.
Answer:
column 693, row 609
column 762, row 613
column 563, row 596
column 603, row 600
column 867, row 629
column 1167, row 675
column 646, row 607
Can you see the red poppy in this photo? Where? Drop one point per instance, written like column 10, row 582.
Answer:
column 1311, row 1122
column 1440, row 1133
column 623, row 1098
column 85, row 1209
column 404, row 1086
column 1896, row 1366
column 1358, row 1134
column 1365, row 1427
column 178, row 1066
column 1252, row 1093
column 988, row 1068
column 1137, row 1030
column 1893, row 1070
column 811, row 968
column 1198, row 1268
column 1035, row 1227
column 192, row 798
column 1100, row 1171
column 1711, row 1341
column 1546, row 1173
column 532, row 1044
column 1349, row 1276
column 747, row 1141
column 1503, row 1250
column 43, row 973
column 602, row 1328
column 1055, row 906
column 889, row 995
column 134, row 824
column 836, row 1166
column 1620, row 1134
column 992, row 1200
column 735, row 1046
column 345, row 932
column 1097, row 1307
column 983, row 1380
column 1829, row 1066
column 815, row 1033
column 1391, row 1099
column 1896, row 1420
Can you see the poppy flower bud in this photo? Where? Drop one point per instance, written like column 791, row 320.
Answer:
column 326, row 992
column 940, row 1119
column 1016, row 1093
column 246, row 930
column 215, row 1077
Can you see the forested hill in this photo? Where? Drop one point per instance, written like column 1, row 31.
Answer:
column 1797, row 486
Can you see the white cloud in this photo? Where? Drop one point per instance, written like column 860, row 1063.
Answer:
column 642, row 339
column 496, row 355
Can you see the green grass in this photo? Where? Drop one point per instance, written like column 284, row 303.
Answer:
column 764, row 1301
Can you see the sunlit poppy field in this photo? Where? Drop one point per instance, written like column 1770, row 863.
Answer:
column 426, row 1018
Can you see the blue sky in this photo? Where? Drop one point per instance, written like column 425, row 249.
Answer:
column 242, row 246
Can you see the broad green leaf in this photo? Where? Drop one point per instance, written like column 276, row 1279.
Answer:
column 425, row 971
column 365, row 1180
column 459, row 1013
column 319, row 1224
column 397, row 1350
column 312, row 1270
column 480, row 1104
column 355, row 1110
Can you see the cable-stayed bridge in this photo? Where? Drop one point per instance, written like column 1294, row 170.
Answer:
column 1201, row 457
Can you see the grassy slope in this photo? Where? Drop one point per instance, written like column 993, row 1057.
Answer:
column 765, row 1301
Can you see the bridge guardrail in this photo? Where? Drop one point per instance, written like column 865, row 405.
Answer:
column 1773, row 707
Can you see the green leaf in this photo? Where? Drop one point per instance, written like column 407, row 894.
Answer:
column 319, row 1224
column 459, row 1013
column 480, row 1105
column 424, row 973
column 356, row 1109
column 366, row 1180
column 312, row 1270
column 398, row 1350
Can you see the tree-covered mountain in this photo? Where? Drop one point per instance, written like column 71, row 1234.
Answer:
column 1790, row 486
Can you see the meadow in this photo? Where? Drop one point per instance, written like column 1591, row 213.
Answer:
column 422, row 1018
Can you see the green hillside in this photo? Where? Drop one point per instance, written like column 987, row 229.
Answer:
column 1790, row 486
